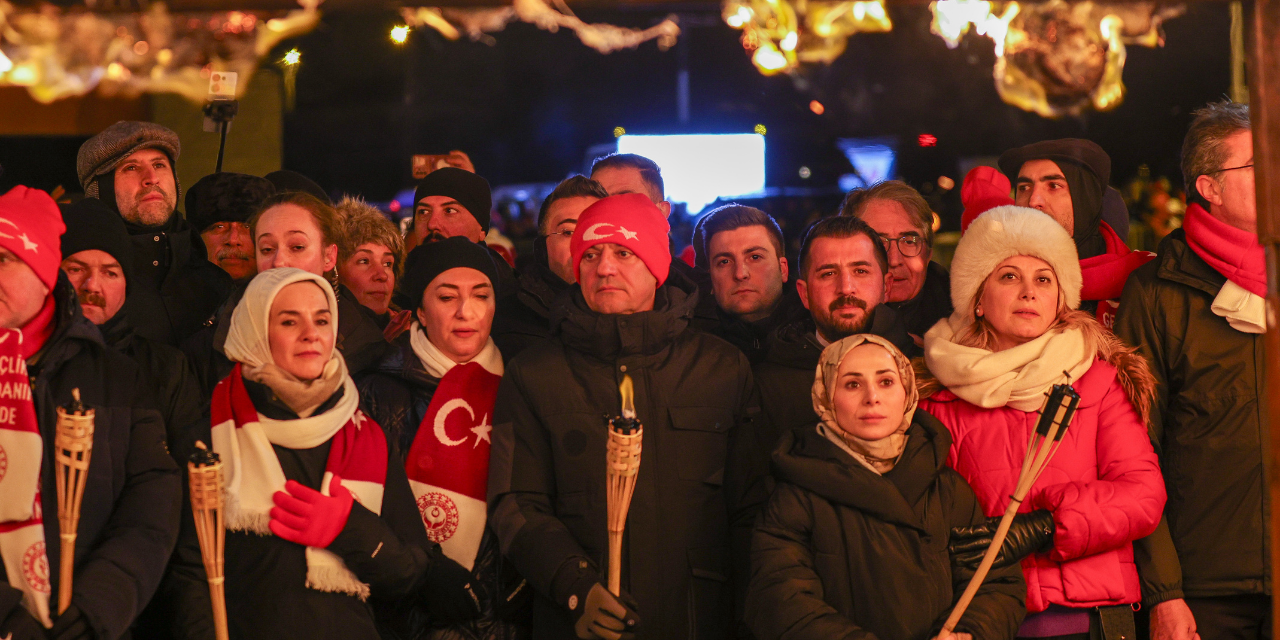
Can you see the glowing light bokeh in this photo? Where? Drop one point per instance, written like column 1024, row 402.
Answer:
column 699, row 168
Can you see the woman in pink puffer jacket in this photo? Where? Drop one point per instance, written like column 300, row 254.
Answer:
column 1015, row 284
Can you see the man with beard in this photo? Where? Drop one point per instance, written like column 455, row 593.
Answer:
column 843, row 281
column 526, row 319
column 129, row 166
column 218, row 208
column 919, row 288
column 743, row 250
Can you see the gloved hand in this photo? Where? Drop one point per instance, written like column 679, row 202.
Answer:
column 1029, row 533
column 71, row 625
column 21, row 625
column 604, row 616
column 448, row 593
column 307, row 517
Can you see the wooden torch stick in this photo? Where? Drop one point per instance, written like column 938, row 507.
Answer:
column 72, row 448
column 1054, row 419
column 626, row 435
column 208, row 502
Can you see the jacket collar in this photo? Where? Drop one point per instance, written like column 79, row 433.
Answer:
column 72, row 333
column 807, row 459
column 612, row 336
column 1178, row 263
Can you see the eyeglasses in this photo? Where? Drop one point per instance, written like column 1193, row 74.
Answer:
column 1243, row 166
column 563, row 234
column 909, row 244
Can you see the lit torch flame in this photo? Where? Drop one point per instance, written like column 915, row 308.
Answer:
column 628, row 398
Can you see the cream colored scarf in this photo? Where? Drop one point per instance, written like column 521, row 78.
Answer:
column 877, row 455
column 437, row 363
column 1244, row 310
column 1016, row 377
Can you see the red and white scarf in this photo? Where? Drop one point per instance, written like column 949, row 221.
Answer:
column 448, row 463
column 244, row 438
column 1239, row 257
column 21, row 453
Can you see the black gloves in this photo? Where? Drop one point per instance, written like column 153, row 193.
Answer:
column 1029, row 533
column 600, row 615
column 71, row 625
column 448, row 592
column 21, row 625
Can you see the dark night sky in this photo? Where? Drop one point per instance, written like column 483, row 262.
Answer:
column 528, row 107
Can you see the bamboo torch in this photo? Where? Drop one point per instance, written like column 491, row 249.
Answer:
column 623, row 458
column 204, row 470
column 72, row 448
column 1054, row 419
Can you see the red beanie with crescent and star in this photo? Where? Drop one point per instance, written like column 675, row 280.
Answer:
column 31, row 227
column 629, row 220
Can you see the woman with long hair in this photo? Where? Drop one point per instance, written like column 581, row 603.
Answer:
column 1016, row 332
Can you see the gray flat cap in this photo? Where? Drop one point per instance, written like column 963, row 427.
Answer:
column 101, row 153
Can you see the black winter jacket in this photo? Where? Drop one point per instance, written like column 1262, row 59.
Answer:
column 266, row 575
column 175, row 287
column 129, row 516
column 1209, row 427
column 547, row 476
column 523, row 317
column 752, row 338
column 396, row 394
column 841, row 552
column 932, row 304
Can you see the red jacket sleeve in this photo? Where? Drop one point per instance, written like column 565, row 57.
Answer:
column 1125, row 502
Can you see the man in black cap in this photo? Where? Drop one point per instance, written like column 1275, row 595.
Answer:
column 129, row 166
column 450, row 202
column 98, row 262
column 218, row 208
column 1067, row 179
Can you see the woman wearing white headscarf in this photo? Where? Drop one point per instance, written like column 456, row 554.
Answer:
column 853, row 542
column 1016, row 332
column 318, row 519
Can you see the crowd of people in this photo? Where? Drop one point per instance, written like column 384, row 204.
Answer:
column 413, row 433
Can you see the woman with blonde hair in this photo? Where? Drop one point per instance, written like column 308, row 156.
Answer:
column 1016, row 332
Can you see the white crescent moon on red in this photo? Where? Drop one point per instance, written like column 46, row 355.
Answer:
column 449, row 407
column 590, row 233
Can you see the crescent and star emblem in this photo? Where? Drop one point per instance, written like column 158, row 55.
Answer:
column 591, row 234
column 482, row 430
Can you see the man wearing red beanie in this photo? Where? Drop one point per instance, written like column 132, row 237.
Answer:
column 129, row 514
column 547, row 503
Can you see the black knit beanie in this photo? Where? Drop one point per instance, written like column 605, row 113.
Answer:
column 470, row 190
column 286, row 180
column 225, row 197
column 432, row 259
column 91, row 224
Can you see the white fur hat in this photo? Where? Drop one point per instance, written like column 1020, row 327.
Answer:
column 1004, row 232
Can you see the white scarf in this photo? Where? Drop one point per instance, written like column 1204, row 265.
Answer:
column 1017, row 377
column 1244, row 310
column 437, row 363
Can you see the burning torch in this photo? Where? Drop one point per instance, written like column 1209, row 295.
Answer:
column 1054, row 419
column 623, row 463
column 72, row 448
column 208, row 503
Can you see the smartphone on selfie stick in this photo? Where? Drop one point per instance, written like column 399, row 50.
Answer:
column 221, row 108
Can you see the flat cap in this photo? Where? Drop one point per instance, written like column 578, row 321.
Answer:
column 101, row 153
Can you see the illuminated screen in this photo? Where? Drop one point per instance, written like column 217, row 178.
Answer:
column 698, row 168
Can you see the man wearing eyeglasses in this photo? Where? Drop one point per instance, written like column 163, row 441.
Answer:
column 1067, row 179
column 526, row 320
column 919, row 289
column 1197, row 314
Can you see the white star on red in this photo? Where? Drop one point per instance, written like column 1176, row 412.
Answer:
column 28, row 244
column 626, row 233
column 482, row 432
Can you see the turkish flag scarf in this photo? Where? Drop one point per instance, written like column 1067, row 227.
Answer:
column 21, row 454
column 448, row 463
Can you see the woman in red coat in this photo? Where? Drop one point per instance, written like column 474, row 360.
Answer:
column 1015, row 284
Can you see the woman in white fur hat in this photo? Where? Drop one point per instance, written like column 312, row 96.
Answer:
column 1016, row 331
column 319, row 517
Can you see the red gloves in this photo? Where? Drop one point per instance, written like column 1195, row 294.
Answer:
column 307, row 517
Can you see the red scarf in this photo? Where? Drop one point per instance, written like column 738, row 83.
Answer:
column 1105, row 275
column 37, row 331
column 1234, row 253
column 448, row 463
column 22, row 544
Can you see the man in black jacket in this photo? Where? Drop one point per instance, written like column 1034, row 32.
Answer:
column 218, row 209
column 547, row 501
column 129, row 166
column 742, row 249
column 129, row 514
column 99, row 265
column 524, row 319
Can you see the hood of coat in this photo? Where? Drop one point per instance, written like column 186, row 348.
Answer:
column 1179, row 263
column 809, row 460
column 611, row 336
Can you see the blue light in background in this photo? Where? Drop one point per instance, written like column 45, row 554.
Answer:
column 699, row 168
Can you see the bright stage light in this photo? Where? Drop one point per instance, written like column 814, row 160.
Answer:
column 698, row 168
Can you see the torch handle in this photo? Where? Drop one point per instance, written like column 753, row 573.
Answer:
column 67, row 566
column 615, row 562
column 218, row 596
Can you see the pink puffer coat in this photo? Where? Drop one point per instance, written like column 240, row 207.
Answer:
column 1103, row 486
